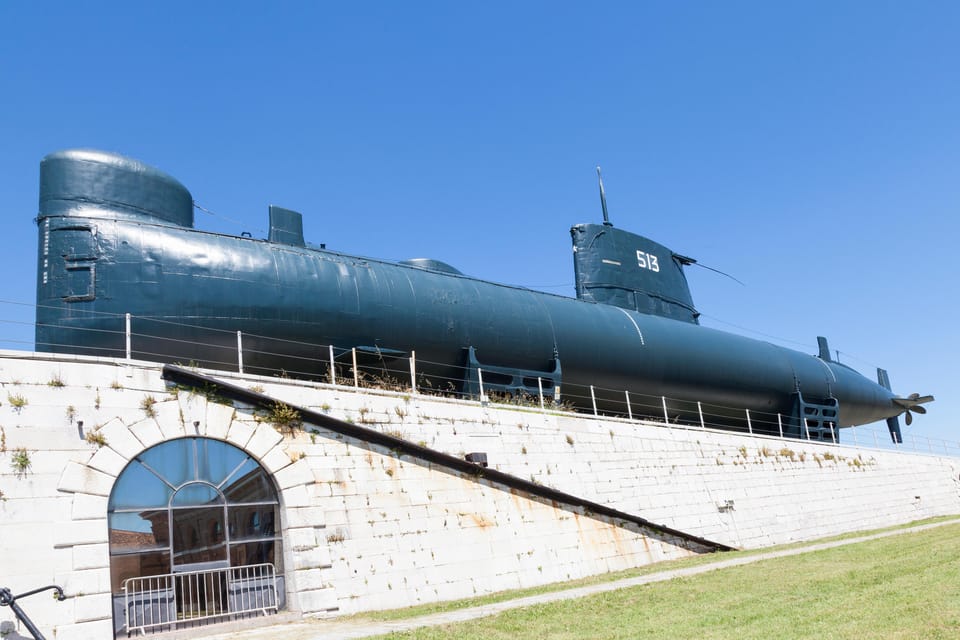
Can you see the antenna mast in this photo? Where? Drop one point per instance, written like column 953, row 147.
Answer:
column 603, row 199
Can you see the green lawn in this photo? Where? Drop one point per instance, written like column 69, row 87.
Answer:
column 904, row 586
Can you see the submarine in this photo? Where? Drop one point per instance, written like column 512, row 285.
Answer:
column 117, row 245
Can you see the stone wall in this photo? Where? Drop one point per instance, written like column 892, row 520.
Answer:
column 364, row 528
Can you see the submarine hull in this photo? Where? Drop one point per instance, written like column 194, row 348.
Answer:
column 117, row 237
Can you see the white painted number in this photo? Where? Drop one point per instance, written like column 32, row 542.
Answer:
column 648, row 261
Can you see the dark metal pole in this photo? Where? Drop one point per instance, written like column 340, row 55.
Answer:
column 7, row 599
column 603, row 199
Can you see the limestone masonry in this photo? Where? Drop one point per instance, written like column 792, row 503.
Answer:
column 363, row 528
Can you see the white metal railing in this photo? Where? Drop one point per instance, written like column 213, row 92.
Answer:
column 166, row 600
column 341, row 367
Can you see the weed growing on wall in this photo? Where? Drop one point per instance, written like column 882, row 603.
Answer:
column 147, row 404
column 20, row 462
column 95, row 437
column 16, row 401
column 284, row 417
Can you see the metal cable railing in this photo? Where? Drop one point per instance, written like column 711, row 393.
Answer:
column 215, row 347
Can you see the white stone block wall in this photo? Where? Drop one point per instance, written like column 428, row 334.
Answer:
column 365, row 529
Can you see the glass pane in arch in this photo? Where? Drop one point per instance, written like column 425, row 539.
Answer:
column 137, row 531
column 174, row 460
column 139, row 488
column 249, row 484
column 196, row 494
column 217, row 459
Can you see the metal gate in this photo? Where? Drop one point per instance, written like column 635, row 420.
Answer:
column 167, row 600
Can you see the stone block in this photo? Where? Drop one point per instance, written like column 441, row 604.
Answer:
column 305, row 517
column 296, row 496
column 301, row 538
column 88, row 581
column 78, row 478
column 91, row 556
column 318, row 601
column 78, row 532
column 309, row 579
column 147, row 432
column 192, row 409
column 276, row 459
column 314, row 558
column 217, row 421
column 108, row 461
column 294, row 474
column 264, row 438
column 168, row 418
column 240, row 432
column 120, row 439
column 88, row 507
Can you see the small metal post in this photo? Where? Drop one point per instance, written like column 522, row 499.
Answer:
column 853, row 430
column 876, row 445
column 333, row 370
column 356, row 373
column 540, row 389
column 413, row 371
column 593, row 399
column 833, row 435
column 556, row 395
column 666, row 418
column 128, row 337
column 780, row 424
column 749, row 424
column 240, row 352
column 806, row 427
column 703, row 425
column 483, row 397
column 629, row 408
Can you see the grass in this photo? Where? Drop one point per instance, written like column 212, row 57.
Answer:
column 896, row 587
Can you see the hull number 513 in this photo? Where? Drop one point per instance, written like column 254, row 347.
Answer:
column 647, row 261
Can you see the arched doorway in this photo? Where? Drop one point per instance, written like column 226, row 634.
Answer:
column 194, row 536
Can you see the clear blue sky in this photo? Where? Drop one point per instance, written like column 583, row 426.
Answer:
column 809, row 149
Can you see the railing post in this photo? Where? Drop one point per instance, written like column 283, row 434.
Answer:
column 749, row 424
column 629, row 409
column 780, row 424
column 806, row 427
column 833, row 435
column 540, row 389
column 129, row 352
column 240, row 352
column 413, row 371
column 666, row 418
column 593, row 399
column 483, row 397
column 333, row 371
column 556, row 395
column 356, row 373
column 703, row 425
